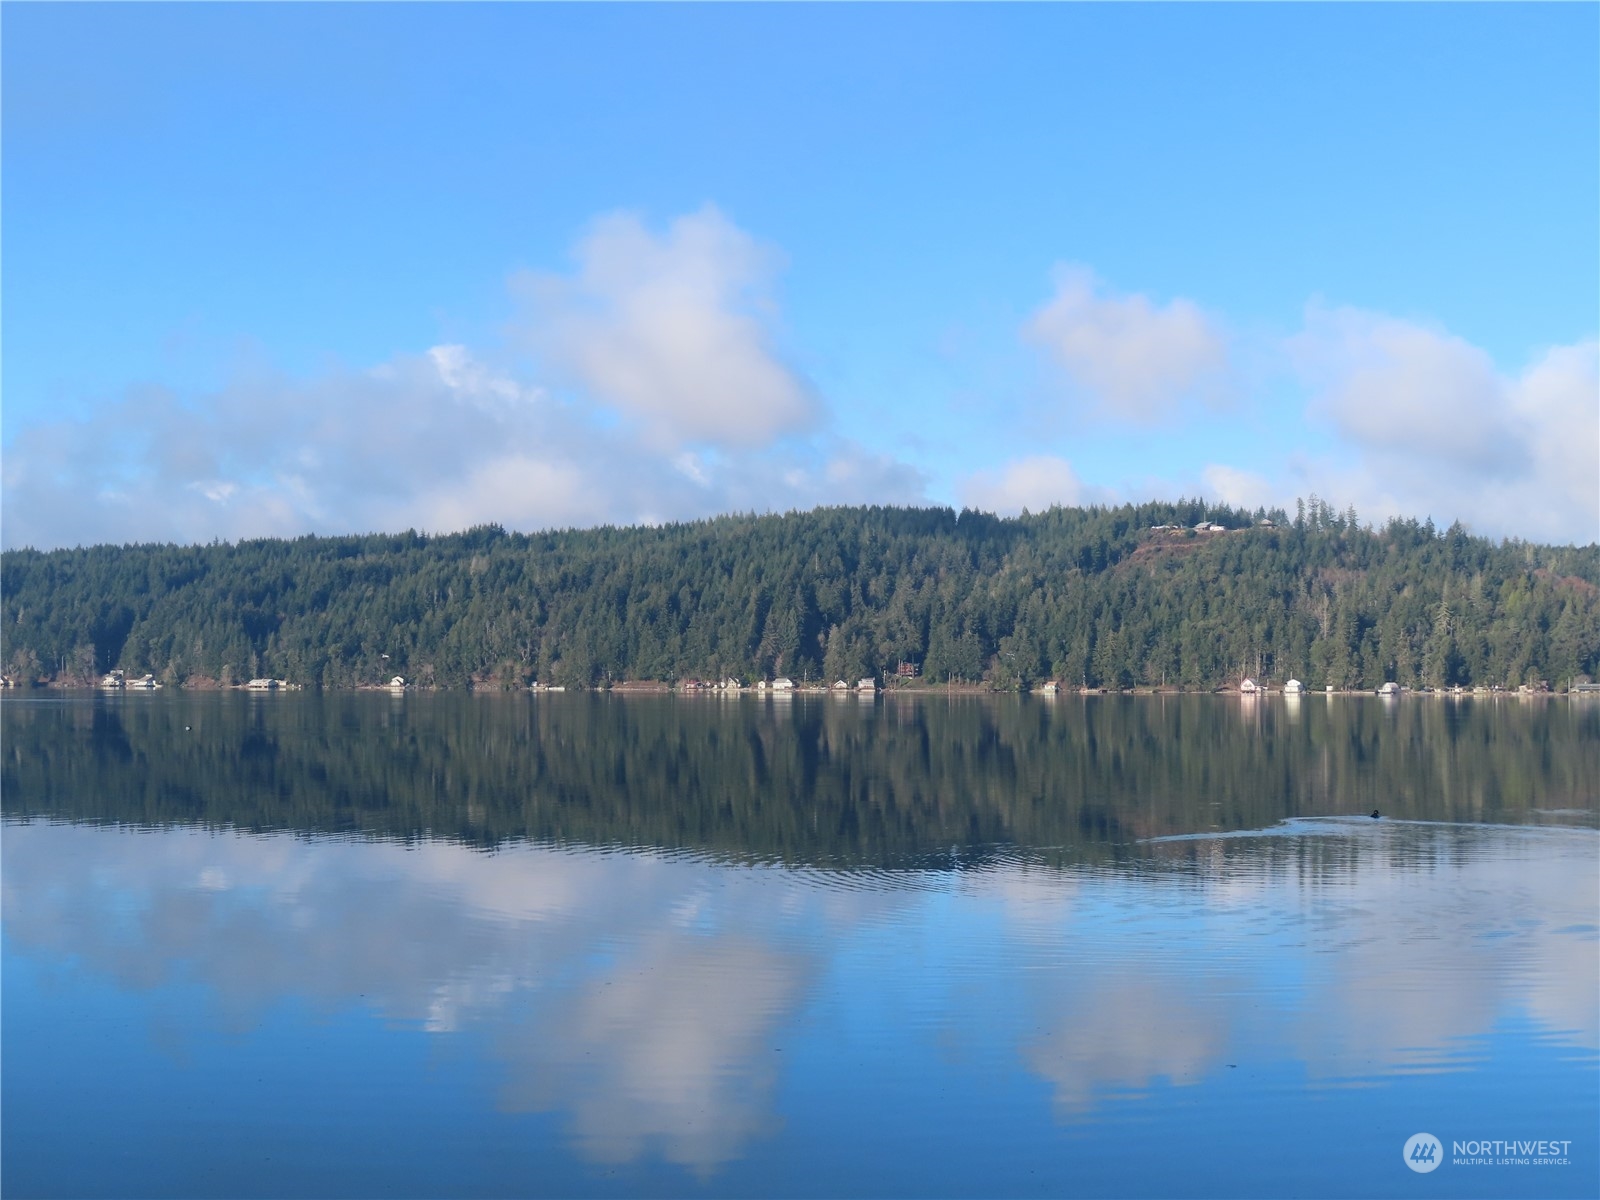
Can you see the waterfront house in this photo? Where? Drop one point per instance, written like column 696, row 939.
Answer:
column 1293, row 688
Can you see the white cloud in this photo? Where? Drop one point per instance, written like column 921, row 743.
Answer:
column 672, row 331
column 1395, row 387
column 436, row 442
column 515, row 490
column 1424, row 424
column 666, row 398
column 1133, row 359
column 681, row 409
column 1241, row 489
column 1035, row 483
column 1558, row 398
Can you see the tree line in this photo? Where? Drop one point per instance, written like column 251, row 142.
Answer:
column 1094, row 596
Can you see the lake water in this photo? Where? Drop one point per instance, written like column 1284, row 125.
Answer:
column 450, row 945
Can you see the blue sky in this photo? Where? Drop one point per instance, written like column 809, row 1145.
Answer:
column 277, row 269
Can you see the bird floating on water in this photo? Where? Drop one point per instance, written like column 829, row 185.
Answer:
column 1376, row 814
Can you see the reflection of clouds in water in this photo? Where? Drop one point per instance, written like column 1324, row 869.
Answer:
column 1034, row 899
column 644, row 996
column 1120, row 1007
column 577, row 965
column 1453, row 937
column 1123, row 1033
column 1359, row 953
column 672, row 1047
column 1566, row 963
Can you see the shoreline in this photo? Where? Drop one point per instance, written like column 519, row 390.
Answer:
column 651, row 688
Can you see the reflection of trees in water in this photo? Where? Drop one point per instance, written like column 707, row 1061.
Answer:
column 927, row 781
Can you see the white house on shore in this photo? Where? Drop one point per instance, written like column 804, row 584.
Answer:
column 783, row 684
column 869, row 684
column 1389, row 689
column 1248, row 687
column 1293, row 688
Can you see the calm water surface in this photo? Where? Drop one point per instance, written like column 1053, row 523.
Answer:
column 332, row 945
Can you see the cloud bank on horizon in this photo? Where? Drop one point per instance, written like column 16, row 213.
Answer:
column 657, row 390
column 661, row 395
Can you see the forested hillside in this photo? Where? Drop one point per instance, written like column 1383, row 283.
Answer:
column 1085, row 595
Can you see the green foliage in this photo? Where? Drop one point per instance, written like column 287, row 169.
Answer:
column 1089, row 596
